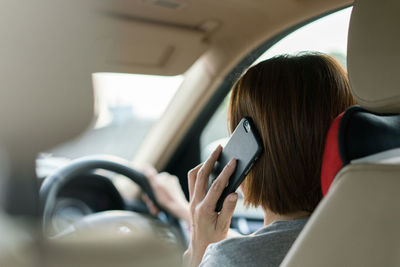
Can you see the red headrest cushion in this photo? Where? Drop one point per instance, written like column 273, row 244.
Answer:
column 331, row 161
column 355, row 134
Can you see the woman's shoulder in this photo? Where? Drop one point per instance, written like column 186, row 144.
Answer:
column 279, row 231
column 267, row 247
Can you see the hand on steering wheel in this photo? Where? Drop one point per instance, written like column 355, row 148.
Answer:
column 76, row 168
column 169, row 194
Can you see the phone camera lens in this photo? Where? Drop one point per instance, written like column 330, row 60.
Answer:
column 246, row 126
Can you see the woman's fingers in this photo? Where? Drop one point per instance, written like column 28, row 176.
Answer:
column 224, row 218
column 192, row 174
column 203, row 175
column 150, row 172
column 219, row 185
column 150, row 205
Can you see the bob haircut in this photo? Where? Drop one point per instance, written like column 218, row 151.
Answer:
column 292, row 101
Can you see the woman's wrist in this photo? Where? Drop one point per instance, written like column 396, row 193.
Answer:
column 194, row 254
column 182, row 212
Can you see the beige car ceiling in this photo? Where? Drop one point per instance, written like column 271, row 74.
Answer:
column 167, row 36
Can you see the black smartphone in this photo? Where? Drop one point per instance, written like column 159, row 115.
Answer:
column 246, row 147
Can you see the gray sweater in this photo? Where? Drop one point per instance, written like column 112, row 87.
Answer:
column 266, row 247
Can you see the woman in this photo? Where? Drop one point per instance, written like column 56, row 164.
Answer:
column 292, row 101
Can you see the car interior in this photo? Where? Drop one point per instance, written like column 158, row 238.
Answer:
column 93, row 91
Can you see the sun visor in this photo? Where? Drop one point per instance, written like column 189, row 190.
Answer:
column 151, row 48
column 374, row 55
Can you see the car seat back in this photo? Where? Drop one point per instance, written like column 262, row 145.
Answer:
column 356, row 223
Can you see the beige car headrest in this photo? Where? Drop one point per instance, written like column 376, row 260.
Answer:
column 373, row 55
column 48, row 54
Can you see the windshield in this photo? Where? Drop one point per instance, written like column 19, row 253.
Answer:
column 128, row 105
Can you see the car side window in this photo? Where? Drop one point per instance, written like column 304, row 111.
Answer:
column 327, row 35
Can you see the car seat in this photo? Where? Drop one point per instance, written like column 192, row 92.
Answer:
column 356, row 223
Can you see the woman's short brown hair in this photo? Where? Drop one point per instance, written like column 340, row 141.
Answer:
column 292, row 101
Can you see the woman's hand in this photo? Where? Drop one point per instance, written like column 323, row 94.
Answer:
column 169, row 194
column 208, row 226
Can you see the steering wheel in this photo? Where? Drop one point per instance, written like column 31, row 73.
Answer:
column 54, row 182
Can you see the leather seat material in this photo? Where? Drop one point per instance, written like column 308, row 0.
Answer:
column 363, row 133
column 373, row 55
column 356, row 223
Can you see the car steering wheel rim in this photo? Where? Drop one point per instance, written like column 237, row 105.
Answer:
column 54, row 182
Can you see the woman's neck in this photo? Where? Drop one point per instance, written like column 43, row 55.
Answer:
column 270, row 217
